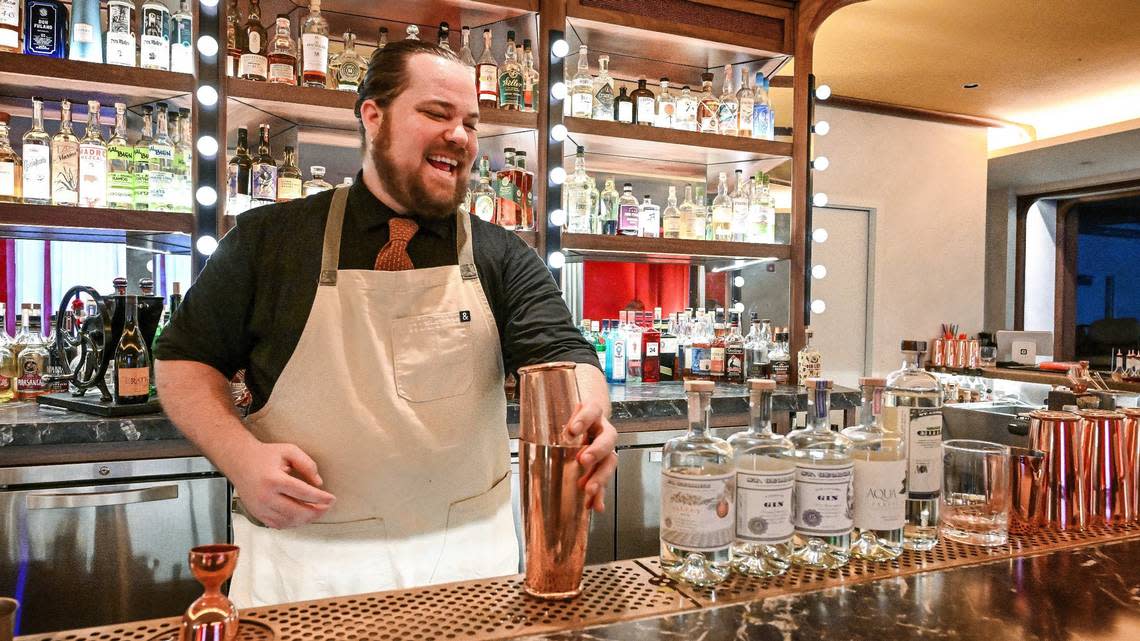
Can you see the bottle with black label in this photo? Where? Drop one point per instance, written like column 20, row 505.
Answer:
column 780, row 357
column 154, row 45
column 734, row 354
column 132, row 360
column 669, row 345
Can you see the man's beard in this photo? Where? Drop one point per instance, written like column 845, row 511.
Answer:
column 410, row 190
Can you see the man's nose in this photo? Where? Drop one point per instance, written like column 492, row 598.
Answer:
column 457, row 135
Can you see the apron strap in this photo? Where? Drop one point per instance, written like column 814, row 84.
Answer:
column 330, row 258
column 463, row 246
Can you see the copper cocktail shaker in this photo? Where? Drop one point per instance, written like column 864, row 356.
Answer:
column 212, row 617
column 1058, row 435
column 1132, row 447
column 1106, row 476
column 555, row 518
column 1027, row 488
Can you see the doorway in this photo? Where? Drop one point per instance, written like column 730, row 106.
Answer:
column 841, row 291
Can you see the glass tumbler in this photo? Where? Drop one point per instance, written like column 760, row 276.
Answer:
column 975, row 492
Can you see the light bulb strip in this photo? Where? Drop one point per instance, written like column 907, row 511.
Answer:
column 206, row 105
column 556, row 132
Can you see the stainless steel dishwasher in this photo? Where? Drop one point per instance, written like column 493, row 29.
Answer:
column 98, row 543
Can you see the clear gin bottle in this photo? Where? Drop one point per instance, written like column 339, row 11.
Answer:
column 880, row 479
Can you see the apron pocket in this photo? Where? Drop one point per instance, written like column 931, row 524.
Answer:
column 480, row 541
column 432, row 356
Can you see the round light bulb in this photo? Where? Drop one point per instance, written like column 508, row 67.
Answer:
column 206, row 245
column 556, row 260
column 558, row 132
column 819, row 272
column 560, row 48
column 738, row 281
column 557, row 175
column 819, row 235
column 150, row 266
column 558, row 90
column 821, row 128
column 738, row 308
column 558, row 217
column 820, row 163
column 207, row 46
column 822, row 92
column 207, row 95
column 206, row 196
column 819, row 200
column 209, row 3
column 818, row 306
column 208, row 146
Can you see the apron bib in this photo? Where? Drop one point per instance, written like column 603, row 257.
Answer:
column 395, row 389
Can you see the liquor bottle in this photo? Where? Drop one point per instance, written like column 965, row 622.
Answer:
column 734, row 354
column 235, row 38
column 21, row 334
column 86, row 32
column 140, row 168
column 11, row 175
column 93, row 161
column 314, row 47
column 317, row 183
column 615, row 355
column 602, row 102
column 253, row 63
column 289, row 182
column 880, row 479
column 9, row 369
column 728, row 107
column 746, row 106
column 669, row 346
column 741, row 199
column 484, row 196
column 412, row 32
column 722, row 211
column 577, row 190
column 181, row 39
column 9, row 38
column 697, row 499
column 36, row 150
column 913, row 401
column 510, row 80
column 263, row 172
column 530, row 77
column 487, row 75
column 671, row 217
column 758, row 227
column 809, row 360
column 154, row 45
column 465, row 54
column 780, row 355
column 443, row 36
column 132, row 360
column 650, row 353
column 758, row 348
column 761, row 109
column 582, row 88
column 45, row 28
column 708, row 107
column 649, row 218
column 765, row 478
column 282, row 54
column 184, row 163
column 692, row 220
column 31, row 361
column 623, row 107
column 644, row 104
column 120, row 159
column 686, row 111
column 352, row 66
column 598, row 330
column 632, row 333
column 628, row 224
column 65, row 160
column 666, row 106
column 716, row 347
column 823, row 490
column 121, row 33
column 525, row 192
column 608, row 209
column 506, row 192
column 160, row 165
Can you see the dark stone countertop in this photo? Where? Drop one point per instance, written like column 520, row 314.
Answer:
column 1075, row 594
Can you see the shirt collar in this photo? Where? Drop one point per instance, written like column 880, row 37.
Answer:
column 374, row 213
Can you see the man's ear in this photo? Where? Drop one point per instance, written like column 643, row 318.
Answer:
column 371, row 117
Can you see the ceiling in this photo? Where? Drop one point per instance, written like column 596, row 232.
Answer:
column 1057, row 65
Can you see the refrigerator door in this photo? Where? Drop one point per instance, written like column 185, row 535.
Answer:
column 638, row 502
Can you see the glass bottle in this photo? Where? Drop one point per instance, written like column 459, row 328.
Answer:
column 741, row 197
column 913, row 401
column 671, row 216
column 487, row 75
column 505, row 183
column 686, row 111
column 510, row 80
column 603, row 87
column 708, row 107
column 666, row 106
column 120, row 158
column 722, row 211
column 11, row 174
column 184, row 156
column 317, row 183
column 181, row 39
column 465, row 54
column 823, row 491
column 132, row 360
column 289, row 176
column 623, row 107
column 10, row 35
column 253, row 64
column 530, row 77
column 31, row 361
column 8, row 366
column 692, row 220
column 765, row 477
column 525, row 192
column 809, row 360
column 577, row 190
column 698, row 479
column 761, row 109
column 22, row 332
column 282, row 55
column 381, row 38
column 716, row 347
column 484, row 196
column 758, row 349
column 644, row 104
column 628, row 208
column 649, row 218
column 632, row 335
column 728, row 107
column 154, row 45
column 93, row 161
column 746, row 104
column 263, row 172
column 608, row 209
column 412, row 32
column 141, row 162
column 160, row 164
column 734, row 353
column 650, row 338
column 780, row 355
column 235, row 38
column 880, row 479
column 582, row 88
column 758, row 227
column 121, row 33
column 443, row 36
column 352, row 65
column 45, row 28
column 86, row 32
column 65, row 160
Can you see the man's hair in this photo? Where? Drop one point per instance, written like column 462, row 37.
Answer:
column 387, row 73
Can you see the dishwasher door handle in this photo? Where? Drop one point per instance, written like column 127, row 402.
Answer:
column 102, row 499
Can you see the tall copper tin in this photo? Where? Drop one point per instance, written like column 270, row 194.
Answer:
column 555, row 518
column 1027, row 488
column 1106, row 476
column 1132, row 447
column 1058, row 435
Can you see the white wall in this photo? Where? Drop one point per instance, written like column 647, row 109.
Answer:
column 1040, row 265
column 926, row 182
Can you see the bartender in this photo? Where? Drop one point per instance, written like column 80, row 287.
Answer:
column 375, row 323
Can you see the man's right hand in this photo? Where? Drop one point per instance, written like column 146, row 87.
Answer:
column 279, row 485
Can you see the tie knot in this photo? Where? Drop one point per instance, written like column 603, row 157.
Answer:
column 401, row 229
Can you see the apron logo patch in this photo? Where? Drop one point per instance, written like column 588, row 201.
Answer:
column 465, row 316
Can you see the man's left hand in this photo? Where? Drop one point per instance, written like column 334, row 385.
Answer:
column 598, row 460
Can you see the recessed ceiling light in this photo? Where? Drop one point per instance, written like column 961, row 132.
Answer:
column 970, row 85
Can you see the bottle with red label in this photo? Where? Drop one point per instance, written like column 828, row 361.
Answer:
column 650, row 351
column 32, row 359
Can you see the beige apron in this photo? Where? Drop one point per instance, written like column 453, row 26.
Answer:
column 396, row 391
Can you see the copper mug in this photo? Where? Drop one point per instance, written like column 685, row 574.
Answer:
column 1132, row 447
column 1106, row 477
column 555, row 518
column 1058, row 435
column 1027, row 488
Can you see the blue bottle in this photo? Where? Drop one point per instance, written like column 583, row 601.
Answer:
column 45, row 28
column 86, row 31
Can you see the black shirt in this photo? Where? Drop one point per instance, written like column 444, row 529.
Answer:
column 250, row 303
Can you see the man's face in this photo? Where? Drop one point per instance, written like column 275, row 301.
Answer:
column 426, row 143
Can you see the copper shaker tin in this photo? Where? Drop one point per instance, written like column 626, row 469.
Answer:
column 1027, row 488
column 1107, row 492
column 938, row 354
column 1132, row 447
column 1058, row 435
column 555, row 517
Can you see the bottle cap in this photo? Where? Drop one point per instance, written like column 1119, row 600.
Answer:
column 872, row 380
column 818, row 383
column 912, row 346
column 699, row 386
column 761, row 384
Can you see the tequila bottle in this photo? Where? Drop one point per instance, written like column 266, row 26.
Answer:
column 671, row 216
column 9, row 37
column 722, row 211
column 880, row 479
column 184, row 156
column 666, row 106
column 120, row 158
column 465, row 50
column 263, row 172
column 154, row 45
column 253, row 63
column 741, row 198
column 627, row 212
column 282, row 55
column 644, row 104
column 761, row 110
column 314, row 47
column 692, row 217
column 608, row 209
column 649, row 218
column 582, row 88
column 141, row 163
column 443, row 36
column 121, row 32
column 317, row 183
column 746, row 103
column 484, row 196
column 708, row 107
column 65, row 160
column 93, row 162
column 351, row 69
column 728, row 107
column 809, row 360
column 603, row 87
column 765, row 477
column 235, row 38
column 160, row 165
column 487, row 75
column 510, row 80
column 577, row 190
column 686, row 112
column 86, row 31
column 698, row 498
column 45, row 28
column 181, row 39
column 11, row 186
column 913, row 401
column 289, row 183
column 623, row 107
column 759, row 227
column 824, row 490
column 31, row 361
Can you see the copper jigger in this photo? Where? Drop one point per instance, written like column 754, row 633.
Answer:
column 212, row 616
column 8, row 609
column 1027, row 488
column 555, row 520
column 1058, row 435
column 1106, row 479
column 1132, row 447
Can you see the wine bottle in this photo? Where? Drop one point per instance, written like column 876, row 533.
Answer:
column 132, row 360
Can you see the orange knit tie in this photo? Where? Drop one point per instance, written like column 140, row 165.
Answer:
column 393, row 257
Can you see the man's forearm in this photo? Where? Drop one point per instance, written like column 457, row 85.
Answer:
column 197, row 399
column 592, row 387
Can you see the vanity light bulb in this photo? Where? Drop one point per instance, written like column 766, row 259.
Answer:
column 209, row 3
column 556, row 260
column 558, row 132
column 738, row 308
column 819, row 272
column 819, row 200
column 822, row 92
column 207, row 46
column 206, row 245
column 820, row 163
column 819, row 235
column 208, row 146
column 818, row 306
column 821, row 128
column 558, row 217
column 207, row 95
column 557, row 175
column 206, row 196
column 558, row 90
column 738, row 281
column 560, row 48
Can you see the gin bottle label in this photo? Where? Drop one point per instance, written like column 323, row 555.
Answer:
column 625, row 111
column 824, row 498
column 485, row 207
column 697, row 511
column 764, row 506
column 581, row 104
column 923, row 429
column 628, row 219
column 604, row 102
column 880, row 494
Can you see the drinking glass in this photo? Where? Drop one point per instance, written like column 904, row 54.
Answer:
column 975, row 492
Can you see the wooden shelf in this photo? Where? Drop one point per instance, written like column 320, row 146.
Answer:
column 667, row 250
column 425, row 13
column 165, row 231
column 23, row 76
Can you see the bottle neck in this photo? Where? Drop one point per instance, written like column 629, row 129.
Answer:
column 65, row 119
column 760, row 411
column 818, row 407
column 120, row 124
column 699, row 406
column 912, row 360
column 872, row 406
column 38, row 115
column 161, row 128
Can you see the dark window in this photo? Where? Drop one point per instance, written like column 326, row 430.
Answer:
column 1108, row 279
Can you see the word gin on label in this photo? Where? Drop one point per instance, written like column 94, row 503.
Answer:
column 880, row 479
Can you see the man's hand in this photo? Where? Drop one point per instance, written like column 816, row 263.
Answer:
column 598, row 459
column 278, row 485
